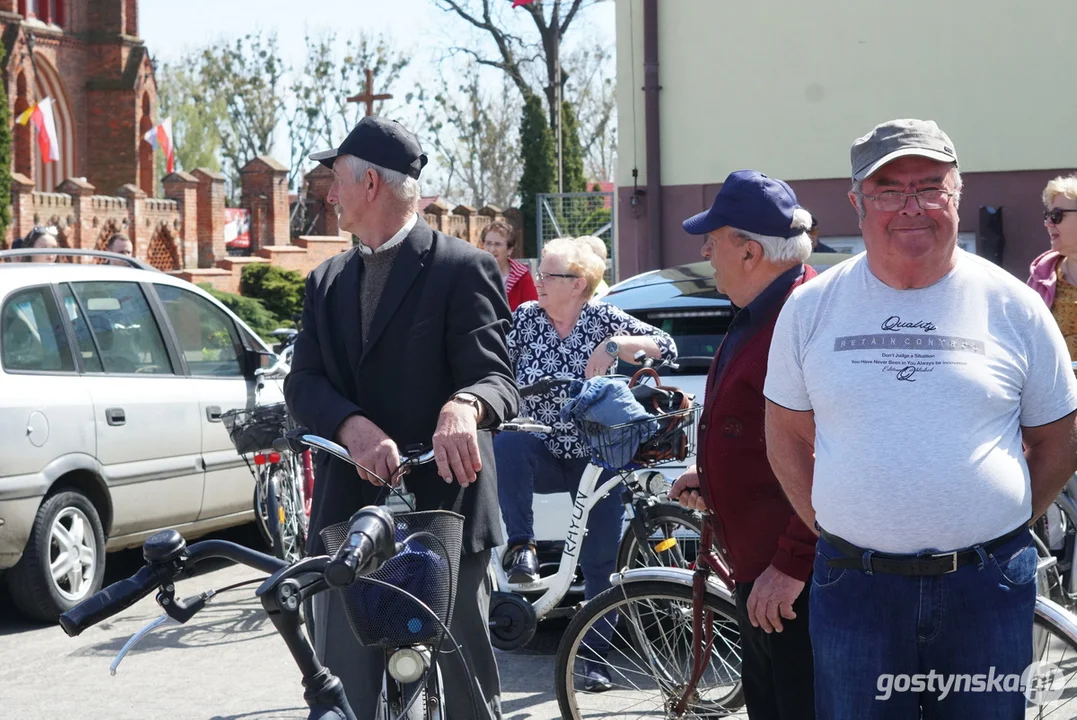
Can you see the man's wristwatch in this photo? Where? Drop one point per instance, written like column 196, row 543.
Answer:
column 472, row 400
column 613, row 348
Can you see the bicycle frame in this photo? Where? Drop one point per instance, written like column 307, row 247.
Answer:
column 557, row 586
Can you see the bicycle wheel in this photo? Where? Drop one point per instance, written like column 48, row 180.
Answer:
column 650, row 655
column 1051, row 687
column 672, row 539
column 284, row 506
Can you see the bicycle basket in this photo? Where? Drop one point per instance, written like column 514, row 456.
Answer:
column 254, row 429
column 428, row 567
column 674, row 441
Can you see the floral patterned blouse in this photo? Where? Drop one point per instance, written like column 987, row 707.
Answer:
column 536, row 350
column 1064, row 309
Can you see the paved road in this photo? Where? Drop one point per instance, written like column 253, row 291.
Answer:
column 227, row 663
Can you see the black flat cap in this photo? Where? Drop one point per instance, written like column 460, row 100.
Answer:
column 380, row 141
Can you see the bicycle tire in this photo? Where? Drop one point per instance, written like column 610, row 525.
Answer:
column 656, row 520
column 274, row 519
column 1054, row 622
column 620, row 596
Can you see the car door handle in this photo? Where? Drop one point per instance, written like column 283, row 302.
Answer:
column 213, row 413
column 115, row 416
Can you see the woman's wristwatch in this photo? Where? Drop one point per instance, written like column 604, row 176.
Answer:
column 613, row 348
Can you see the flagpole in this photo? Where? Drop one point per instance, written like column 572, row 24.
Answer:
column 557, row 95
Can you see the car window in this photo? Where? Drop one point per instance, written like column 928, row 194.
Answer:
column 91, row 361
column 207, row 335
column 123, row 325
column 32, row 335
column 696, row 332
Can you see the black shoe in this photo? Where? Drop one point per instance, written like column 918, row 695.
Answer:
column 596, row 677
column 521, row 563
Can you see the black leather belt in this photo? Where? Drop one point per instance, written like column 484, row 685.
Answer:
column 934, row 564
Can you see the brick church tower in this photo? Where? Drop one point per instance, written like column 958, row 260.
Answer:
column 87, row 56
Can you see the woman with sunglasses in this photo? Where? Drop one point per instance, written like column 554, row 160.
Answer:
column 41, row 237
column 1054, row 273
column 565, row 334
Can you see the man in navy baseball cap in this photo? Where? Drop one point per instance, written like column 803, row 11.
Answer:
column 756, row 239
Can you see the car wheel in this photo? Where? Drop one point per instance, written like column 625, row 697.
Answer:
column 64, row 560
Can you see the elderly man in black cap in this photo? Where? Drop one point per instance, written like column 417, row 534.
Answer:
column 403, row 343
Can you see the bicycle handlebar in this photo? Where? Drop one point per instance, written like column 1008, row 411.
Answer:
column 371, row 541
column 108, row 601
column 298, row 440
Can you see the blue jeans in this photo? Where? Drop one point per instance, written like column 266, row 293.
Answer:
column 867, row 628
column 525, row 466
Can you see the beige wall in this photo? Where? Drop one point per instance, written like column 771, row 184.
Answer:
column 785, row 86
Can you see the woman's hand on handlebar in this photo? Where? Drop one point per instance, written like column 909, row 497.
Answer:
column 371, row 448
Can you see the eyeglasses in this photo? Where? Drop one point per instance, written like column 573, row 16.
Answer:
column 541, row 276
column 1055, row 215
column 891, row 200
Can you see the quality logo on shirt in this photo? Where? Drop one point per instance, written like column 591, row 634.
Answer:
column 908, row 354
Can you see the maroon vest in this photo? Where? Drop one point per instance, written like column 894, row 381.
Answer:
column 756, row 523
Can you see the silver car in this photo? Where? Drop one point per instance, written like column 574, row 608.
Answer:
column 113, row 382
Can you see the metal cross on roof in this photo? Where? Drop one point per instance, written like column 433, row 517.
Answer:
column 369, row 97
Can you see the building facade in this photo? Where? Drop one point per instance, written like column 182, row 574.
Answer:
column 86, row 55
column 707, row 87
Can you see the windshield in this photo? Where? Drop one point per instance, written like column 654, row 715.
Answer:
column 696, row 332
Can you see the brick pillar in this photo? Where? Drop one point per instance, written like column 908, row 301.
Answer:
column 183, row 188
column 81, row 232
column 437, row 215
column 22, row 207
column 264, row 177
column 210, row 232
column 468, row 213
column 318, row 182
column 136, row 207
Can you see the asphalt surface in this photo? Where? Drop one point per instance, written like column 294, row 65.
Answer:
column 226, row 663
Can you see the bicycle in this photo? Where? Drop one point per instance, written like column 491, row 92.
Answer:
column 281, row 501
column 655, row 536
column 366, row 549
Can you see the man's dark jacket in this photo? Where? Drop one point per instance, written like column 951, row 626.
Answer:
column 439, row 329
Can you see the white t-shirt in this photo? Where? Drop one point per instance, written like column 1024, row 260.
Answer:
column 919, row 397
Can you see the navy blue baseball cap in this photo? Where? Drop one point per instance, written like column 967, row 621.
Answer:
column 751, row 201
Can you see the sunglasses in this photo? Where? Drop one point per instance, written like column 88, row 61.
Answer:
column 1055, row 215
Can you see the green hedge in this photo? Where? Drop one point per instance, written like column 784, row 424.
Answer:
column 250, row 310
column 281, row 291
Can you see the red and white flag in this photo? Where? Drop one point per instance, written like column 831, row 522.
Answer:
column 47, row 140
column 518, row 3
column 161, row 137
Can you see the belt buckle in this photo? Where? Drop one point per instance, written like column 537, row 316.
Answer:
column 953, row 560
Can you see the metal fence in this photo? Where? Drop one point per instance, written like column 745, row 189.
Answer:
column 576, row 214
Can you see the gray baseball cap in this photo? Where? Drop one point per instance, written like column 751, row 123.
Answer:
column 900, row 138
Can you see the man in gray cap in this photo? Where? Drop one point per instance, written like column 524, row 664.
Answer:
column 403, row 344
column 920, row 413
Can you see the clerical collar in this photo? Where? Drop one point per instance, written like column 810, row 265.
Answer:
column 394, row 240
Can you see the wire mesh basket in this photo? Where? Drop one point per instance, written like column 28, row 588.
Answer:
column 254, row 429
column 428, row 568
column 662, row 438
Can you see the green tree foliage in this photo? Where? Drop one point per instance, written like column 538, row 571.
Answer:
column 196, row 121
column 5, row 157
column 538, row 176
column 572, row 174
column 250, row 310
column 474, row 133
column 280, row 291
column 246, row 77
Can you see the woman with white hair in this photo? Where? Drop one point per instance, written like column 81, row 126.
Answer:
column 598, row 246
column 1054, row 273
column 565, row 334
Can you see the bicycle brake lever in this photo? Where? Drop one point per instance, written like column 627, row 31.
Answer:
column 134, row 639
